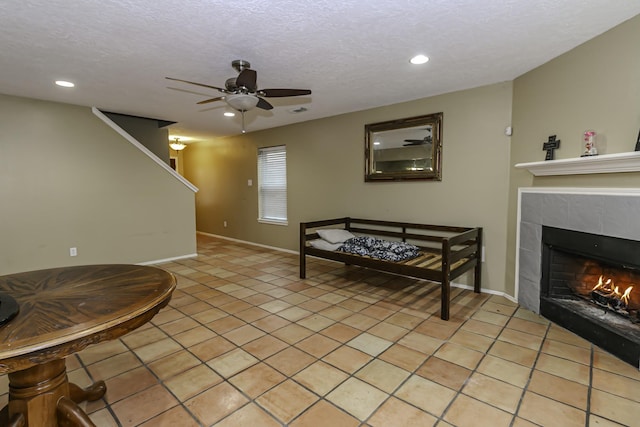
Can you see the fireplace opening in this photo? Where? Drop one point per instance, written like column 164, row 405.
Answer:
column 605, row 287
column 591, row 285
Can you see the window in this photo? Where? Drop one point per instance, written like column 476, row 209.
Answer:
column 272, row 184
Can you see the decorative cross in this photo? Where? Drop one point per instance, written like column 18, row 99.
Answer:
column 551, row 145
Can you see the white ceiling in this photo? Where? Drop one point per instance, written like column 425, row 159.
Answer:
column 353, row 54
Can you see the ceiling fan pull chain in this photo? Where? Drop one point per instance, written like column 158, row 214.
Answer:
column 243, row 131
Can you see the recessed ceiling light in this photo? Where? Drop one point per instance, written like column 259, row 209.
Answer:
column 64, row 83
column 376, row 143
column 229, row 114
column 419, row 59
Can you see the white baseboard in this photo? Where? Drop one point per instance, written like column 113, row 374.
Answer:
column 164, row 260
column 248, row 243
column 485, row 291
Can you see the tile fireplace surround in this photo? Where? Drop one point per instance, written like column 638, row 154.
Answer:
column 605, row 211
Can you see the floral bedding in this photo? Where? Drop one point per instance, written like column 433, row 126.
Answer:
column 380, row 249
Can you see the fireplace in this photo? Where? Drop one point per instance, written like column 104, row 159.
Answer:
column 599, row 212
column 590, row 284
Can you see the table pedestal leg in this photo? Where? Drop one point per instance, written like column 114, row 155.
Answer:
column 91, row 393
column 34, row 393
column 71, row 415
column 42, row 396
column 16, row 421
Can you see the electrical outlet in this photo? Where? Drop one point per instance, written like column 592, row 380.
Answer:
column 73, row 251
column 225, row 224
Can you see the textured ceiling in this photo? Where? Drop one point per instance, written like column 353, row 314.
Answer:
column 353, row 54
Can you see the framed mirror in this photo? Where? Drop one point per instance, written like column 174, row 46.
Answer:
column 404, row 149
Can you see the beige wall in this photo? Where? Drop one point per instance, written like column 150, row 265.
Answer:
column 325, row 161
column 68, row 180
column 595, row 86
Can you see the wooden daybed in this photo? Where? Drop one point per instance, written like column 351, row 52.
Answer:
column 446, row 252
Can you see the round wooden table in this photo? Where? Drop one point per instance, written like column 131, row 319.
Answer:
column 62, row 311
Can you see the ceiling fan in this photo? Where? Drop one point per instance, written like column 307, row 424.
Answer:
column 242, row 93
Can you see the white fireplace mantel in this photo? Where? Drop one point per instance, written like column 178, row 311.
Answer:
column 604, row 163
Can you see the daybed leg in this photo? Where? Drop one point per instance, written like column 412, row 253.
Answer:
column 476, row 276
column 446, row 296
column 303, row 260
column 478, row 268
column 446, row 285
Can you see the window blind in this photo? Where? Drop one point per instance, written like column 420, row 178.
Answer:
column 272, row 183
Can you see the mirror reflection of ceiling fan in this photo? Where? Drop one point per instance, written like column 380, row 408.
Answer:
column 426, row 140
column 242, row 94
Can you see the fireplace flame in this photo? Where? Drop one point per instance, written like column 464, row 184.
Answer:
column 626, row 294
column 606, row 293
column 603, row 285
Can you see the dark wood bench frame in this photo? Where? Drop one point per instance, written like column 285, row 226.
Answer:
column 460, row 249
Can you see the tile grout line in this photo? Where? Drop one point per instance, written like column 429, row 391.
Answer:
column 352, row 375
column 254, row 400
column 474, row 370
column 591, row 359
column 533, row 368
column 159, row 380
column 103, row 398
column 343, row 344
column 224, row 378
column 411, row 373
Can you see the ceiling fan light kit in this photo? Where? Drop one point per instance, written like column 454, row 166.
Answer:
column 242, row 93
column 241, row 102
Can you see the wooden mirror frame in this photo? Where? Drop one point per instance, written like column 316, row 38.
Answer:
column 408, row 161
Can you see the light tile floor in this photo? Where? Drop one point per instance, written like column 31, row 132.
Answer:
column 245, row 342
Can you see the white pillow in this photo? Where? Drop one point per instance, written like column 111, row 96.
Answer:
column 324, row 245
column 335, row 235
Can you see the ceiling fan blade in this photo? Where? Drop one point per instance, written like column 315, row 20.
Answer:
column 276, row 93
column 247, row 78
column 206, row 101
column 198, row 84
column 264, row 104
